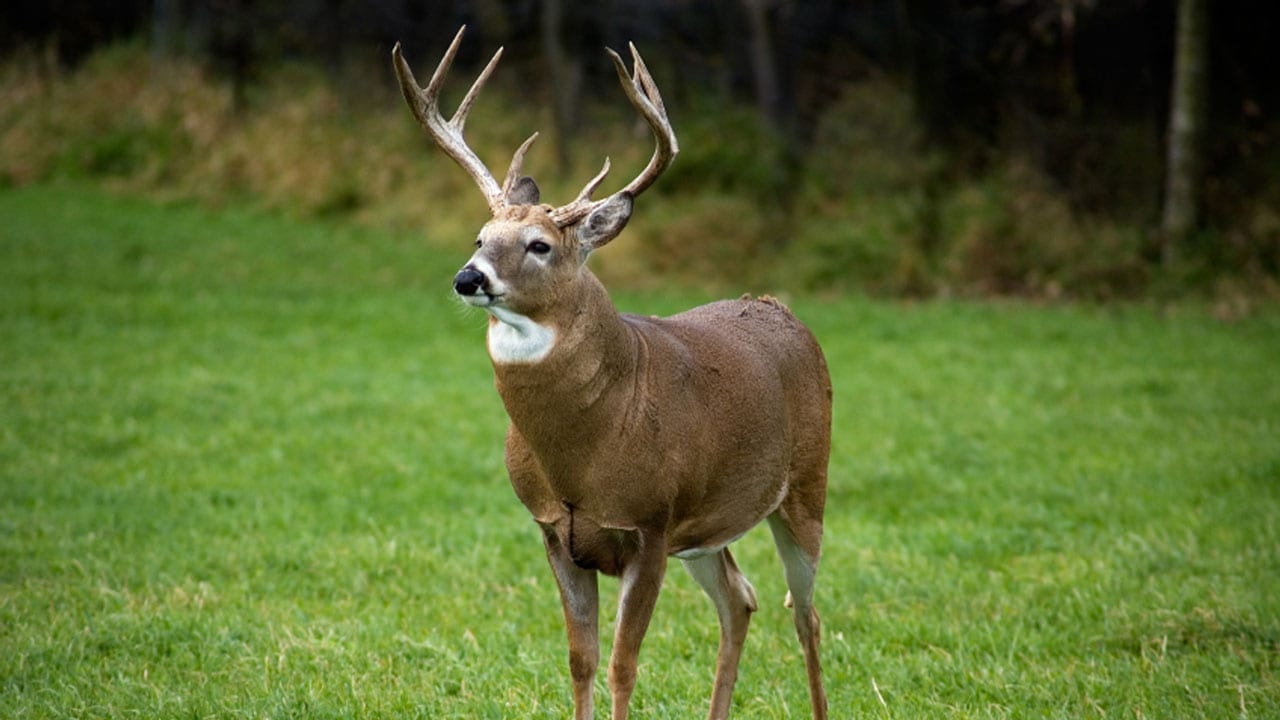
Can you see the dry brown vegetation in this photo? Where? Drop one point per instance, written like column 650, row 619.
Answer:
column 868, row 209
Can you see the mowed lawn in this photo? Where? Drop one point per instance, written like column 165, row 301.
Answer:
column 251, row 467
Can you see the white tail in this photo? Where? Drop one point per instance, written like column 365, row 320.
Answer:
column 634, row 438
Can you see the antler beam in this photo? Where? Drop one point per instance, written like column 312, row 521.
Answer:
column 643, row 93
column 425, row 104
column 638, row 84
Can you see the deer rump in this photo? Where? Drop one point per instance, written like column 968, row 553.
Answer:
column 700, row 443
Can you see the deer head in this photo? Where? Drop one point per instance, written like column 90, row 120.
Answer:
column 528, row 248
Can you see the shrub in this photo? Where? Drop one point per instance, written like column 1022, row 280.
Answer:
column 1013, row 233
column 869, row 207
column 860, row 213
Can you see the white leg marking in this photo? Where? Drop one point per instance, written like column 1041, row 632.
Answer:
column 705, row 569
column 800, row 569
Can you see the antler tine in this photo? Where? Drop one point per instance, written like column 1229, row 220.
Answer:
column 643, row 93
column 641, row 75
column 460, row 115
column 517, row 165
column 432, row 90
column 581, row 205
column 425, row 104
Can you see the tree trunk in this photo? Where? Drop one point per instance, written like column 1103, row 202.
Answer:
column 566, row 80
column 763, row 70
column 1188, row 108
column 162, row 24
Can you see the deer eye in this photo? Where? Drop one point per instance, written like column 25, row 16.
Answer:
column 538, row 247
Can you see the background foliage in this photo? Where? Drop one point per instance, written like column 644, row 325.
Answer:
column 1014, row 147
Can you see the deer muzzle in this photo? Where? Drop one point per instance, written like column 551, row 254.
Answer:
column 469, row 281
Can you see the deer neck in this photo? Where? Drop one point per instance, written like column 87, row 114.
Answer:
column 586, row 371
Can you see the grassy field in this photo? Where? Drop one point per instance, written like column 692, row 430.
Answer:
column 252, row 468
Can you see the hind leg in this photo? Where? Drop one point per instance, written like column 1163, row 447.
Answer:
column 799, row 541
column 735, row 600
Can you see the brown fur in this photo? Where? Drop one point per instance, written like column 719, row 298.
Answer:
column 636, row 438
column 714, row 411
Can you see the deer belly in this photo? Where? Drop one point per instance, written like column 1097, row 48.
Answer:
column 693, row 553
column 724, row 521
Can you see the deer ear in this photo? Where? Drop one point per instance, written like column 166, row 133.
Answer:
column 605, row 222
column 524, row 192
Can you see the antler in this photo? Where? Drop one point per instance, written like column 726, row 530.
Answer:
column 643, row 93
column 425, row 104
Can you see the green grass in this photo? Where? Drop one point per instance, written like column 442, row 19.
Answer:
column 252, row 468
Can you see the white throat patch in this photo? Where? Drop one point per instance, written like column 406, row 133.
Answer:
column 515, row 338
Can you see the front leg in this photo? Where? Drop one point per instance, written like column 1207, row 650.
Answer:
column 640, row 581
column 579, row 595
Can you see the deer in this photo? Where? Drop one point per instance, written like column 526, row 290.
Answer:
column 634, row 439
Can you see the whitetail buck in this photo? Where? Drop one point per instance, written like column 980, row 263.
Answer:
column 634, row 438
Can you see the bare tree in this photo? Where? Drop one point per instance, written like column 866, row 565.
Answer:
column 763, row 69
column 566, row 79
column 1188, row 109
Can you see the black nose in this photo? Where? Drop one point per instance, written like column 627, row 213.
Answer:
column 468, row 281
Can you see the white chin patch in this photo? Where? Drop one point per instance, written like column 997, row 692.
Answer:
column 515, row 338
column 481, row 300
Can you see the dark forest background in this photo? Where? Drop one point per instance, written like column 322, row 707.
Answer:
column 1020, row 147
